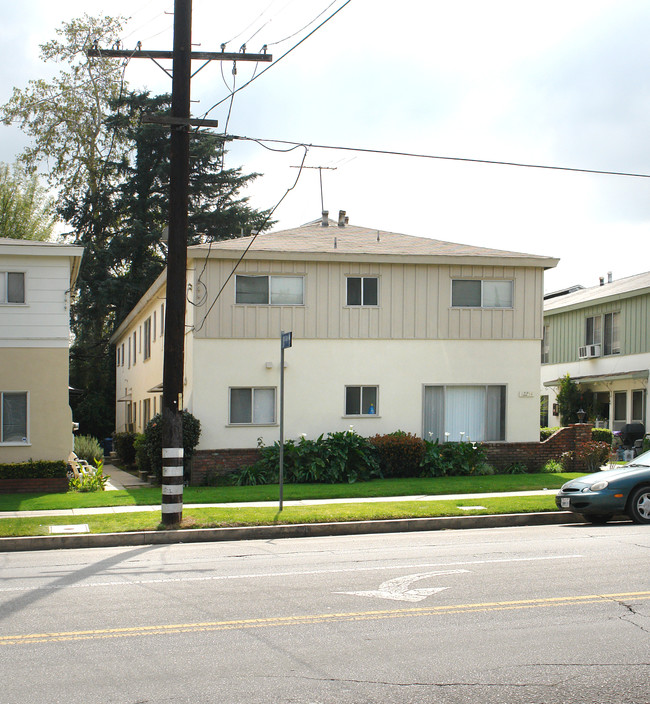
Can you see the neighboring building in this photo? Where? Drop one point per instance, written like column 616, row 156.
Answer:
column 389, row 332
column 35, row 283
column 600, row 336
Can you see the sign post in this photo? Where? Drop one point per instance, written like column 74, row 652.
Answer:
column 286, row 339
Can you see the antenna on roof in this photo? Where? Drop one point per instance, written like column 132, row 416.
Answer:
column 377, row 235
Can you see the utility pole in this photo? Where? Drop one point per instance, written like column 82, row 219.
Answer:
column 174, row 342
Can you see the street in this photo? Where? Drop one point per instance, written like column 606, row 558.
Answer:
column 534, row 614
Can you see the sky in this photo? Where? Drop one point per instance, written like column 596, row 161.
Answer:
column 560, row 83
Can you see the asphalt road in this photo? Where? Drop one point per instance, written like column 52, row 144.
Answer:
column 535, row 614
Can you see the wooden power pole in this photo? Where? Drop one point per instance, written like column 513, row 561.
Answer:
column 174, row 341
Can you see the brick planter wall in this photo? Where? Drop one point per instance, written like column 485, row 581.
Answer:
column 500, row 455
column 219, row 463
column 536, row 454
column 34, row 485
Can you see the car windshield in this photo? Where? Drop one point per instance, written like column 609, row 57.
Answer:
column 641, row 461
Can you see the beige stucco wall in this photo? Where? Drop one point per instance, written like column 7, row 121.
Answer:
column 43, row 373
column 318, row 370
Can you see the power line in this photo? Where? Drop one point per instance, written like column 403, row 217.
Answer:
column 387, row 152
column 277, row 61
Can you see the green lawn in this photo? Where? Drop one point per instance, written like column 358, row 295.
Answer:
column 236, row 516
column 150, row 496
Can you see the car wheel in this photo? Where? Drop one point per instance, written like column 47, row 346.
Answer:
column 598, row 519
column 639, row 506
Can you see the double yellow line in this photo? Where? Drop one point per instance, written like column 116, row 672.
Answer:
column 239, row 624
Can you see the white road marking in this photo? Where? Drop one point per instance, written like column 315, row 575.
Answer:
column 266, row 575
column 398, row 589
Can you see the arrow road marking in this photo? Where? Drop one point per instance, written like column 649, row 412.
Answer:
column 398, row 589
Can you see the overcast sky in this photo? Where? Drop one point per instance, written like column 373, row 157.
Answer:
column 559, row 83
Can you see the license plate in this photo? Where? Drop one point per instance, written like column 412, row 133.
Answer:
column 565, row 503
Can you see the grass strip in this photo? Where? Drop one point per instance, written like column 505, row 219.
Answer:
column 244, row 516
column 150, row 496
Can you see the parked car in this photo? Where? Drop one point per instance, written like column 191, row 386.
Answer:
column 600, row 496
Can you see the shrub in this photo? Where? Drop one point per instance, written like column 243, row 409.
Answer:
column 142, row 461
column 90, row 482
column 602, row 435
column 592, row 456
column 339, row 457
column 399, row 454
column 87, row 448
column 123, row 446
column 545, row 433
column 452, row 459
column 153, row 441
column 33, row 470
column 552, row 467
column 516, row 468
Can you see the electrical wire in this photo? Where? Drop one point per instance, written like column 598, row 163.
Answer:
column 387, row 152
column 254, row 236
column 302, row 29
column 286, row 53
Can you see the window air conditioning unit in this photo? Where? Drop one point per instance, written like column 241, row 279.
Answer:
column 589, row 351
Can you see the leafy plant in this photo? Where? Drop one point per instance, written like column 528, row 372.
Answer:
column 516, row 468
column 452, row 459
column 552, row 467
column 88, row 448
column 124, row 447
column 592, row 456
column 399, row 454
column 545, row 433
column 92, row 481
column 142, row 461
column 571, row 399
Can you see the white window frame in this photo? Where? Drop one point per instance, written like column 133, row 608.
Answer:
column 362, row 388
column 362, row 279
column 483, row 283
column 270, row 279
column 253, row 390
column 146, row 332
column 596, row 328
column 4, row 288
column 25, row 440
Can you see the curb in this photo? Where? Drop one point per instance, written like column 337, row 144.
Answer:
column 298, row 530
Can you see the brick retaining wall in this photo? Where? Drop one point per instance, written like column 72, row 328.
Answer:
column 34, row 485
column 534, row 455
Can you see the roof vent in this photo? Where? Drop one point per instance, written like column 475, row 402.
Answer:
column 326, row 218
column 601, row 279
column 342, row 218
column 335, row 243
column 609, row 277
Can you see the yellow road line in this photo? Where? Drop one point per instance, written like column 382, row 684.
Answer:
column 238, row 624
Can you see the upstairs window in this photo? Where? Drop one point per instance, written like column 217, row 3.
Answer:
column 545, row 345
column 481, row 294
column 604, row 330
column 269, row 290
column 147, row 338
column 12, row 287
column 362, row 291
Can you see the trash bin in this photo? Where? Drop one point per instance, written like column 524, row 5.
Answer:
column 108, row 446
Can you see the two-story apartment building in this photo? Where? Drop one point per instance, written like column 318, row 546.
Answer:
column 35, row 283
column 389, row 331
column 600, row 336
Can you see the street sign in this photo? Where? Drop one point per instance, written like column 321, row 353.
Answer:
column 286, row 340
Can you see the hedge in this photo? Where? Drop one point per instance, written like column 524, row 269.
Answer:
column 33, row 470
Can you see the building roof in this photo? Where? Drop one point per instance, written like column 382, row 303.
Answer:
column 354, row 242
column 20, row 247
column 623, row 288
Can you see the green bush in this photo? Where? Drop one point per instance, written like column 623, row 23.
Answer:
column 552, row 467
column 602, row 435
column 33, row 470
column 452, row 459
column 545, row 433
column 592, row 456
column 90, row 482
column 153, row 441
column 142, row 461
column 516, row 468
column 399, row 454
column 123, row 446
column 339, row 457
column 87, row 448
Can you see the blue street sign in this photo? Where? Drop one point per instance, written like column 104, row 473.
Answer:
column 286, row 340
